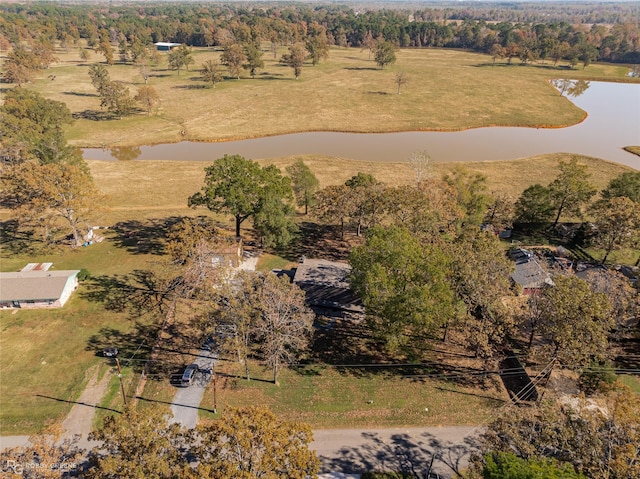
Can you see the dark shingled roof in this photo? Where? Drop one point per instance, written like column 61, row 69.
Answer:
column 529, row 274
column 325, row 284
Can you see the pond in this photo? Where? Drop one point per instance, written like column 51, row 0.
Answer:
column 613, row 122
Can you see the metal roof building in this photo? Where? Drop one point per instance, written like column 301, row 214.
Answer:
column 37, row 288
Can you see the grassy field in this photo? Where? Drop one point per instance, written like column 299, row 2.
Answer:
column 144, row 189
column 447, row 90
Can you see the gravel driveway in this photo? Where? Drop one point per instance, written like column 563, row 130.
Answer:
column 186, row 401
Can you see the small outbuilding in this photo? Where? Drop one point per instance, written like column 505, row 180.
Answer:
column 166, row 46
column 37, row 288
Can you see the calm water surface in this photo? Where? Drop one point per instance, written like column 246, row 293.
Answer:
column 613, row 122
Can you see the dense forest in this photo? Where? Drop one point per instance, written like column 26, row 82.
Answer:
column 530, row 31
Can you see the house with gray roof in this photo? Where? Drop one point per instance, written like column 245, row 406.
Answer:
column 326, row 285
column 529, row 275
column 37, row 288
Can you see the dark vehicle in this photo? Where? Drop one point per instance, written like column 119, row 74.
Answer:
column 110, row 352
column 188, row 375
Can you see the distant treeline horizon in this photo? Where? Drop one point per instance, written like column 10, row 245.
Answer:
column 585, row 32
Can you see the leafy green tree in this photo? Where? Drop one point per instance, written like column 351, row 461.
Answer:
column 32, row 129
column 317, row 47
column 384, row 54
column 251, row 443
column 305, row 184
column 623, row 297
column 180, row 57
column 99, row 77
column 254, row 59
column 295, row 59
column 46, row 195
column 84, row 54
column 403, row 285
column 274, row 221
column 211, row 72
column 105, row 48
column 575, row 321
column 334, row 204
column 480, row 277
column 571, row 190
column 234, row 58
column 239, row 186
column 534, row 205
column 504, row 465
column 626, row 184
column 617, row 223
column 148, row 96
column 20, row 65
column 138, row 444
column 116, row 98
column 471, row 193
column 367, row 200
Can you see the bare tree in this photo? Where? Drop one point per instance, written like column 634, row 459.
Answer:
column 420, row 162
column 401, row 78
column 285, row 323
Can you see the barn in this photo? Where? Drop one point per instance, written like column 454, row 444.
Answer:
column 166, row 46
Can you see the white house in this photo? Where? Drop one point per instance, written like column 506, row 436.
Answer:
column 37, row 288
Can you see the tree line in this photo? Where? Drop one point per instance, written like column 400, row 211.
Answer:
column 246, row 443
column 520, row 32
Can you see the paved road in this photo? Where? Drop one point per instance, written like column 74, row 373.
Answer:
column 354, row 451
column 346, row 453
column 187, row 399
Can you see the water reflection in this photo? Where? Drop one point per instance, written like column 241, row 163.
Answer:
column 126, row 153
column 573, row 88
column 613, row 122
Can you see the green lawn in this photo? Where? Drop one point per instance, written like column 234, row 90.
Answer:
column 327, row 398
column 46, row 361
column 47, row 356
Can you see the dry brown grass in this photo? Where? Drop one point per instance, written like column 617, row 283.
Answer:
column 447, row 90
column 142, row 189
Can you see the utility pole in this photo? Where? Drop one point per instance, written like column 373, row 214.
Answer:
column 215, row 400
column 124, row 398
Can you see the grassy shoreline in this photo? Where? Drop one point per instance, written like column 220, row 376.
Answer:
column 448, row 90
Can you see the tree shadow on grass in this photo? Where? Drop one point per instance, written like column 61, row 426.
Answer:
column 318, row 241
column 138, row 293
column 144, row 237
column 16, row 241
column 93, row 115
column 412, row 456
column 77, row 93
column 192, row 87
column 135, row 347
column 361, row 68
